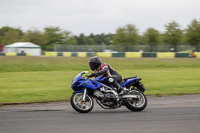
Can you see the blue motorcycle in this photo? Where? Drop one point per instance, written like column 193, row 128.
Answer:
column 106, row 96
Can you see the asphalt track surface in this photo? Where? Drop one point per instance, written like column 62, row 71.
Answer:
column 172, row 114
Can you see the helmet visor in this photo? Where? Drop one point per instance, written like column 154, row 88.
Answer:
column 92, row 66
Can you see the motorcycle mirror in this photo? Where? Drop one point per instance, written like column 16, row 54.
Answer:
column 85, row 72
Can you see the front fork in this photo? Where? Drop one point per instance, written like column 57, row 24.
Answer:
column 84, row 94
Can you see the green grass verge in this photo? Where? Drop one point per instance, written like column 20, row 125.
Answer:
column 40, row 79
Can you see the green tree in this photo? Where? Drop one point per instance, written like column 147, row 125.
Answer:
column 99, row 39
column 35, row 36
column 173, row 34
column 4, row 29
column 81, row 39
column 126, row 35
column 109, row 39
column 10, row 35
column 193, row 33
column 90, row 41
column 67, row 38
column 152, row 38
column 54, row 35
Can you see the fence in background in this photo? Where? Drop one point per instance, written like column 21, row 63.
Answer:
column 122, row 54
column 15, row 54
column 123, row 48
column 105, row 54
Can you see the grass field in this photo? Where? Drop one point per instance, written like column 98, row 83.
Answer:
column 40, row 79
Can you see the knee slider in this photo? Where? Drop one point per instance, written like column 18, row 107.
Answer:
column 110, row 80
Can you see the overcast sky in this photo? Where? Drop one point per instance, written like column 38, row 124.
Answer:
column 97, row 16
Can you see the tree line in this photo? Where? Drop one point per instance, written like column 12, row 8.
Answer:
column 125, row 35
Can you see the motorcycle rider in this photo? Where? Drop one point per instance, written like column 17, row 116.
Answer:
column 103, row 69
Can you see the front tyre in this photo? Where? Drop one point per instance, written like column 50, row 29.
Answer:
column 138, row 104
column 79, row 105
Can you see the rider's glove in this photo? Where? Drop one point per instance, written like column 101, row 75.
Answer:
column 91, row 75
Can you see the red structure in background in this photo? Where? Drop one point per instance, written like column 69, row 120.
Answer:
column 1, row 47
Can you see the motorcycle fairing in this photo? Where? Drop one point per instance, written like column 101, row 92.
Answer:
column 79, row 83
column 129, row 81
column 86, row 83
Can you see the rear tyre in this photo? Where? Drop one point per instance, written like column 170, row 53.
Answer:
column 79, row 105
column 136, row 104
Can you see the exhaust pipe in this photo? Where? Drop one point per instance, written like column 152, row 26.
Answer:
column 131, row 96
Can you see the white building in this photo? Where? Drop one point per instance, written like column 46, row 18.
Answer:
column 23, row 47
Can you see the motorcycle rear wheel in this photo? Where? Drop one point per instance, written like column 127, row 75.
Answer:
column 79, row 105
column 136, row 104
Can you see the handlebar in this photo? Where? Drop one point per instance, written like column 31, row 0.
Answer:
column 87, row 77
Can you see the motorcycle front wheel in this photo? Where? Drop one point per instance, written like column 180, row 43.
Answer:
column 81, row 106
column 138, row 104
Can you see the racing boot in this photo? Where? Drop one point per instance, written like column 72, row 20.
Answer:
column 119, row 88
